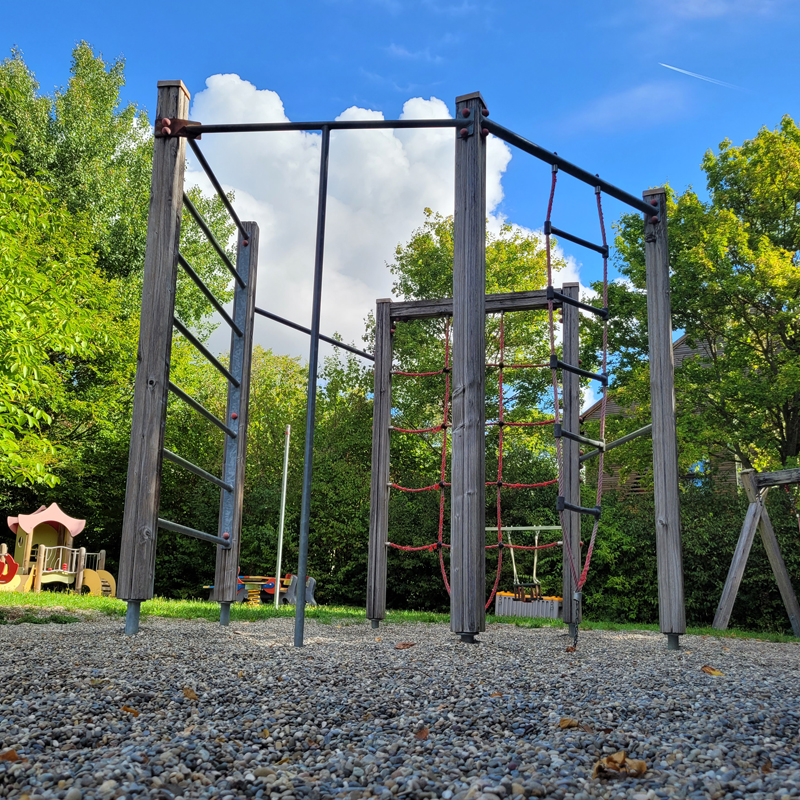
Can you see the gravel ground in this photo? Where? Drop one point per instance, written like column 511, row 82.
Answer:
column 186, row 709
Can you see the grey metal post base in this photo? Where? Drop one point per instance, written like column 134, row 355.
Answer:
column 673, row 642
column 376, row 623
column 224, row 614
column 468, row 638
column 132, row 617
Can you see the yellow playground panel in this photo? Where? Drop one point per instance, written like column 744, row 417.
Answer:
column 43, row 553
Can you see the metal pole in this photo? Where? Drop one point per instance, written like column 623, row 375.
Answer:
column 132, row 617
column 283, row 516
column 311, row 406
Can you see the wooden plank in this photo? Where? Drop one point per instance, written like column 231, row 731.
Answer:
column 230, row 516
column 570, row 452
column 780, row 478
column 535, row 300
column 750, row 482
column 143, row 489
column 671, row 606
column 379, row 487
column 468, row 505
column 736, row 571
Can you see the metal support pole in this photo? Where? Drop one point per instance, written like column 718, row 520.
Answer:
column 282, row 518
column 311, row 405
column 132, row 617
column 224, row 614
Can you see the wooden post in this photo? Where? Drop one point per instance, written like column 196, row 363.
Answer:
column 671, row 607
column 142, row 493
column 101, row 560
column 570, row 453
column 79, row 568
column 230, row 515
column 468, row 536
column 41, row 558
column 379, row 487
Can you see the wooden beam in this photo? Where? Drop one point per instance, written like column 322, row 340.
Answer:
column 468, row 504
column 143, row 489
column 671, row 606
column 780, row 478
column 233, row 467
column 379, row 488
column 494, row 303
column 570, row 452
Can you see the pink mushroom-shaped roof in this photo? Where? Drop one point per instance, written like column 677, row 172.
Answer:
column 52, row 515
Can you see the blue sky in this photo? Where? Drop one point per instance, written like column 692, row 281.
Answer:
column 581, row 78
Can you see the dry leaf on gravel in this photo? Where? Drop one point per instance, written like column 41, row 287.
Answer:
column 378, row 639
column 264, row 733
column 11, row 755
column 190, row 694
column 570, row 649
column 422, row 733
column 568, row 722
column 619, row 765
column 496, row 694
column 766, row 767
column 130, row 710
column 404, row 645
column 711, row 670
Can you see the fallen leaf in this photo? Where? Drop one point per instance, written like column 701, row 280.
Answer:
column 605, row 730
column 404, row 645
column 241, row 673
column 711, row 670
column 264, row 733
column 726, row 649
column 568, row 722
column 310, row 658
column 619, row 765
column 422, row 733
column 587, row 728
column 496, row 694
column 378, row 639
column 11, row 755
column 190, row 694
column 570, row 649
column 280, row 677
column 188, row 729
column 130, row 710
column 766, row 767
column 284, row 760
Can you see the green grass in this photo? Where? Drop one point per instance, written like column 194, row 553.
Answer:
column 339, row 615
column 9, row 618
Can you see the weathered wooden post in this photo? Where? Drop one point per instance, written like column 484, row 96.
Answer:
column 143, row 489
column 468, row 536
column 79, row 568
column 41, row 559
column 101, row 560
column 379, row 487
column 570, row 452
column 230, row 515
column 671, row 608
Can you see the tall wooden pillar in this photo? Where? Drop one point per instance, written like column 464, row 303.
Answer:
column 570, row 451
column 379, row 489
column 671, row 607
column 468, row 536
column 143, row 489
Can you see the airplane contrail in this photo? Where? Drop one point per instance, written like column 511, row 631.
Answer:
column 701, row 77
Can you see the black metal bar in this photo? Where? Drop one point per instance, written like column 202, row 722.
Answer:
column 208, row 293
column 558, row 432
column 617, row 442
column 563, row 505
column 204, row 350
column 198, row 218
column 182, row 462
column 311, row 406
column 549, row 228
column 213, row 178
column 322, row 336
column 332, row 125
column 571, row 169
column 552, row 294
column 556, row 363
column 201, row 409
column 195, row 534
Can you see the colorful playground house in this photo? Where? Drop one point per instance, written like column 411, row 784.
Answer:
column 43, row 554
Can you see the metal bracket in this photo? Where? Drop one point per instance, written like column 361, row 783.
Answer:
column 466, row 116
column 166, row 128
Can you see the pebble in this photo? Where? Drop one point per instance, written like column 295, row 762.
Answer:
column 350, row 717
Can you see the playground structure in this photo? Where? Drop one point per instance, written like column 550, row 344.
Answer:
column 756, row 485
column 467, row 308
column 43, row 554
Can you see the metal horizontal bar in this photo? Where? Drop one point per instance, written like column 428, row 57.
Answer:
column 558, row 432
column 222, row 196
column 571, row 169
column 303, row 329
column 535, row 300
column 334, row 125
column 552, row 293
column 195, row 534
column 556, row 363
column 205, row 351
column 617, row 442
column 563, row 505
column 198, row 218
column 201, row 409
column 182, row 462
column 598, row 248
column 208, row 293
column 779, row 478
